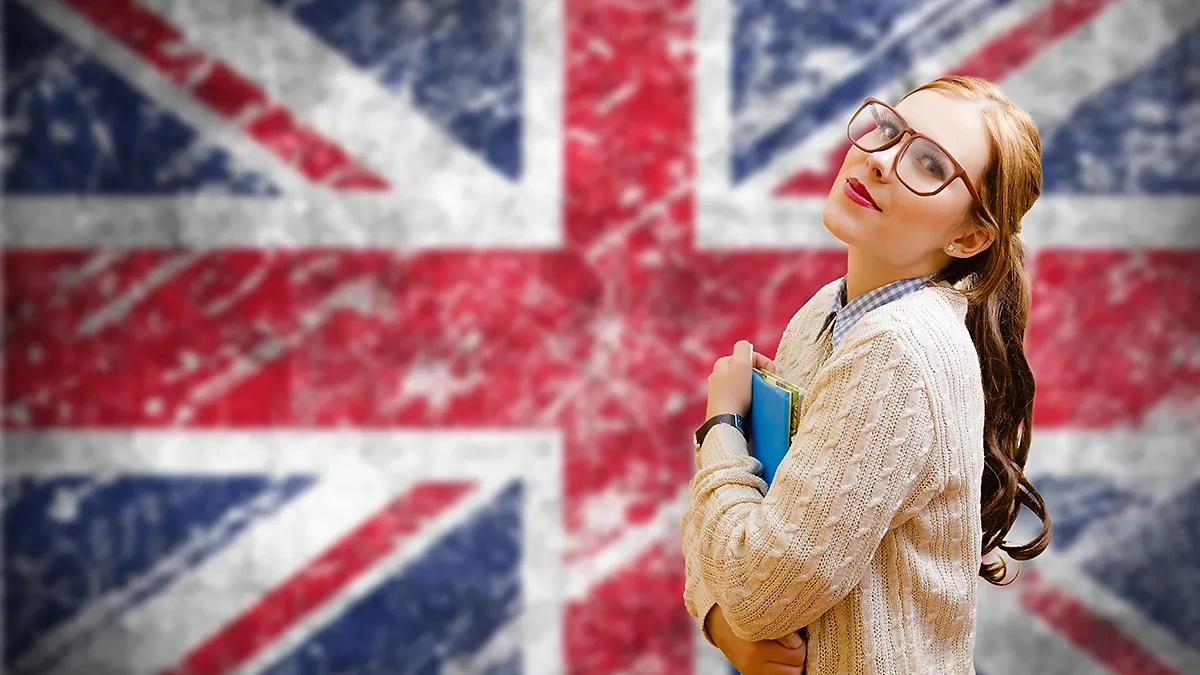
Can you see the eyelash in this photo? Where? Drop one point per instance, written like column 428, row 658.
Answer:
column 933, row 159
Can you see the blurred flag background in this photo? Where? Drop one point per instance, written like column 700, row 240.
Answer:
column 369, row 336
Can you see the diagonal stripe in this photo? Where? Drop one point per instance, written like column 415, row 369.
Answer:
column 455, row 594
column 1100, row 638
column 243, row 637
column 203, row 507
column 994, row 61
column 229, row 94
column 636, row 615
column 1008, row 640
column 1015, row 48
column 337, row 98
column 889, row 55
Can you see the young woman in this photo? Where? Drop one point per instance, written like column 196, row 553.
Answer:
column 915, row 426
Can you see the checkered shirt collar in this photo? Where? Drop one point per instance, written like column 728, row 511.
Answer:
column 845, row 316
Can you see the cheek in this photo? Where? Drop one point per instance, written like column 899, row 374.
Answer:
column 918, row 226
column 933, row 215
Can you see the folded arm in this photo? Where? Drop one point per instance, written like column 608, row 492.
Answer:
column 777, row 561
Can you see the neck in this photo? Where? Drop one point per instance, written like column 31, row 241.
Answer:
column 865, row 273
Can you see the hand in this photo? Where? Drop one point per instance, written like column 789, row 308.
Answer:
column 785, row 656
column 729, row 384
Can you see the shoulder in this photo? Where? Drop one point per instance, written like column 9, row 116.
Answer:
column 929, row 329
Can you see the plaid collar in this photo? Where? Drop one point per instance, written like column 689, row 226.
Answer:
column 845, row 316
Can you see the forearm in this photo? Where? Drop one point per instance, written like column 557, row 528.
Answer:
column 775, row 563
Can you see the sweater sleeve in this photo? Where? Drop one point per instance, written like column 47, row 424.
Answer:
column 776, row 562
column 696, row 597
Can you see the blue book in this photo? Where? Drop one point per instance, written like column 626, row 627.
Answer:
column 774, row 418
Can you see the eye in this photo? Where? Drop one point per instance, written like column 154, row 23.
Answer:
column 934, row 164
column 889, row 126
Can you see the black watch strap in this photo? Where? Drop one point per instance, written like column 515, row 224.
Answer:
column 737, row 421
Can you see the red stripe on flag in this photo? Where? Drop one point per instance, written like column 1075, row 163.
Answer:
column 995, row 61
column 1112, row 338
column 228, row 93
column 239, row 640
column 321, row 339
column 629, row 126
column 637, row 617
column 1096, row 636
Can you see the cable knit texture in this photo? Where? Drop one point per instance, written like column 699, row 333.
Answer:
column 870, row 534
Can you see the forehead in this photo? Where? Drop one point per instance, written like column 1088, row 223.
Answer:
column 955, row 123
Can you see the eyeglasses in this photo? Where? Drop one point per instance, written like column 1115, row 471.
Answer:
column 923, row 166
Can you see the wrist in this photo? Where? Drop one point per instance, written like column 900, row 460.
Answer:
column 720, row 410
column 732, row 419
column 710, row 623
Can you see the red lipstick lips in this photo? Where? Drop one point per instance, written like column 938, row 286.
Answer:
column 858, row 193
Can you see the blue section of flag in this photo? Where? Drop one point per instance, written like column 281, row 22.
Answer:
column 72, row 540
column 803, row 51
column 443, row 607
column 1136, row 137
column 1156, row 567
column 1076, row 502
column 73, row 126
column 459, row 61
column 509, row 666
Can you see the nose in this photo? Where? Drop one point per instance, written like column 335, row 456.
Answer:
column 880, row 164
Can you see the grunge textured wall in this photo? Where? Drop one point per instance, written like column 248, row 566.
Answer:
column 368, row 336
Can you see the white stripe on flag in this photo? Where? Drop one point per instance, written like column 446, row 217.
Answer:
column 298, row 220
column 1164, row 460
column 1083, row 221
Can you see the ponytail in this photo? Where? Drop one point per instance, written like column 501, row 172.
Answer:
column 997, row 321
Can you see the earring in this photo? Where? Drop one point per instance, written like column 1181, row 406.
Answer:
column 949, row 248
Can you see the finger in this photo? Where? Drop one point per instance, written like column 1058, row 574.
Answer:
column 791, row 640
column 773, row 651
column 742, row 351
column 761, row 361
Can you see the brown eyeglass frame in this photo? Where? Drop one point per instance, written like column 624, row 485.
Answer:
column 913, row 134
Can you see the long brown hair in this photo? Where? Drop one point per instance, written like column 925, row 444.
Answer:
column 998, row 293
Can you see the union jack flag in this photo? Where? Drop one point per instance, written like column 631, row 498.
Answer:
column 368, row 336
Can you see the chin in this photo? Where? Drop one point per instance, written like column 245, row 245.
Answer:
column 841, row 223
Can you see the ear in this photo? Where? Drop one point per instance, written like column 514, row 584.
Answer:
column 974, row 240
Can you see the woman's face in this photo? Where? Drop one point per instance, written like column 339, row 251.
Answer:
column 903, row 229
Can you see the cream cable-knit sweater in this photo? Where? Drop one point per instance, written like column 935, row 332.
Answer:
column 870, row 533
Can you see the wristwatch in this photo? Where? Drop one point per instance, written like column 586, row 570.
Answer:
column 737, row 421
